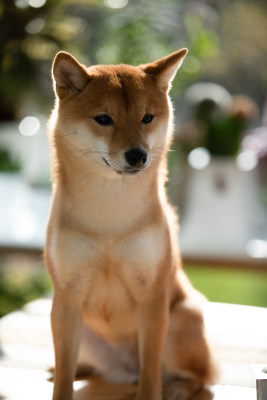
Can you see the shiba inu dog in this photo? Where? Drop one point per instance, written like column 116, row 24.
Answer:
column 122, row 305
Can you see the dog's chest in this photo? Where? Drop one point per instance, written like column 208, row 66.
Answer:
column 111, row 275
column 109, row 304
column 131, row 262
column 134, row 258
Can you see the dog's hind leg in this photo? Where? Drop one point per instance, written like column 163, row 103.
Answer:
column 187, row 358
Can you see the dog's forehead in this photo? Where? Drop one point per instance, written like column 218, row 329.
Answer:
column 121, row 77
column 115, row 73
column 125, row 84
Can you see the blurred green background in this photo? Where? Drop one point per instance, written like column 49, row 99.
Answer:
column 226, row 42
column 227, row 45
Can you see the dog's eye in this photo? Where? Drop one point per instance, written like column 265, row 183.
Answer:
column 147, row 118
column 104, row 119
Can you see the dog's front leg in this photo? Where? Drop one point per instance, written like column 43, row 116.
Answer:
column 153, row 321
column 66, row 320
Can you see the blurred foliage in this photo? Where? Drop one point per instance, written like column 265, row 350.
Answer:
column 7, row 164
column 21, row 285
column 214, row 126
column 94, row 32
column 230, row 285
column 227, row 42
column 241, row 63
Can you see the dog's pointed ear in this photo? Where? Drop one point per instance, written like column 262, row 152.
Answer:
column 69, row 74
column 164, row 69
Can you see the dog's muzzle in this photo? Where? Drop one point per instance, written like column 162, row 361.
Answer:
column 136, row 160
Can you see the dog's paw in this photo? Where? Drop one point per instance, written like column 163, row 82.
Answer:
column 203, row 394
column 185, row 390
column 174, row 391
column 82, row 372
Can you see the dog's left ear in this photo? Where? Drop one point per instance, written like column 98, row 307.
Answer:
column 164, row 69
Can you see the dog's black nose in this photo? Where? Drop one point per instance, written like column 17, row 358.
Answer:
column 136, row 157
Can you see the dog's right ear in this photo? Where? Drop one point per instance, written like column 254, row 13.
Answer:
column 68, row 74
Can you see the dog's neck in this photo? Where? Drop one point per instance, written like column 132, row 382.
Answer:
column 104, row 199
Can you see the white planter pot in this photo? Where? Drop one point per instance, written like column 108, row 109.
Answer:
column 23, row 213
column 221, row 204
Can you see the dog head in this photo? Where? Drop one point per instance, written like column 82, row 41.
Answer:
column 117, row 116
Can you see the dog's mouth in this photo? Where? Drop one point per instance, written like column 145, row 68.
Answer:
column 125, row 170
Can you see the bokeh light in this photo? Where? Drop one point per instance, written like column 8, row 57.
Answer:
column 33, row 3
column 35, row 26
column 199, row 158
column 21, row 3
column 115, row 3
column 257, row 248
column 247, row 160
column 29, row 126
column 37, row 3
